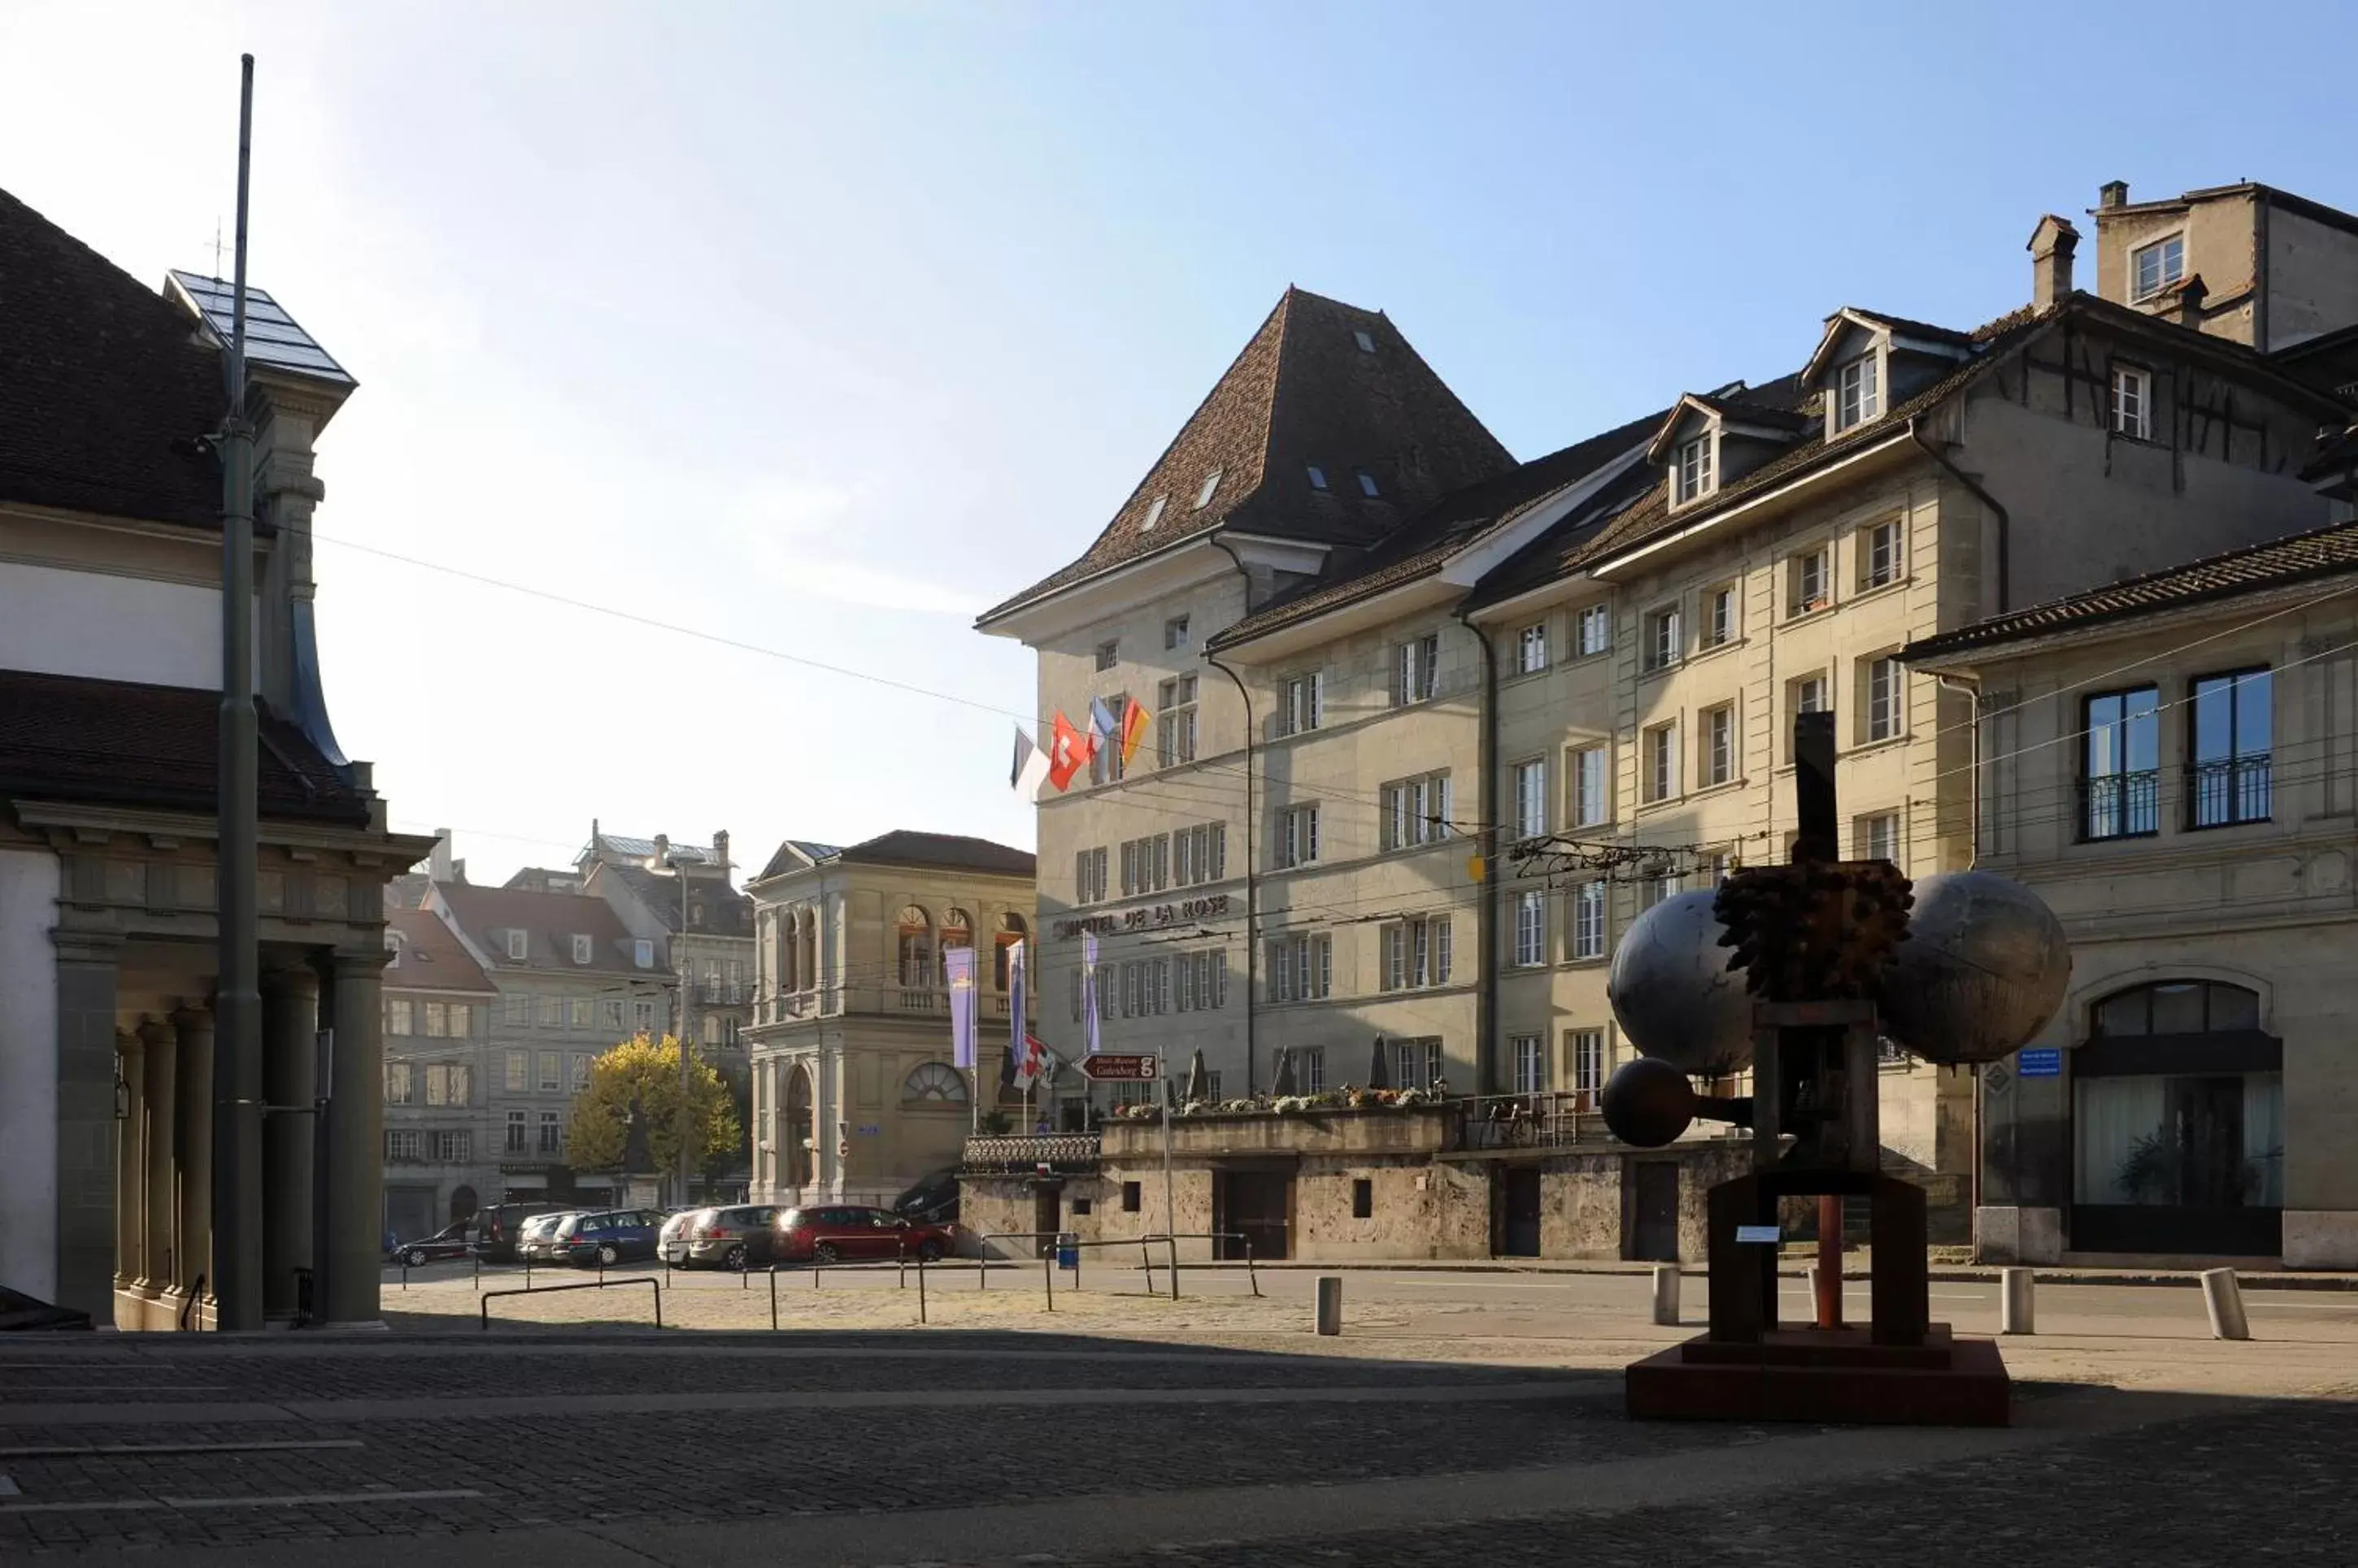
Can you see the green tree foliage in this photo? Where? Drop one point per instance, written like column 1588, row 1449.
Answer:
column 645, row 1072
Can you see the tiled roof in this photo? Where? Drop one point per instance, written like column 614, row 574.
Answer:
column 727, row 912
column 98, row 377
column 782, row 860
column 1303, row 392
column 550, row 920
column 905, row 848
column 1915, row 328
column 432, row 958
column 2296, row 558
column 69, row 737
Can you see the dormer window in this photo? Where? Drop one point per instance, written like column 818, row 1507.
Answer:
column 581, row 949
column 643, row 954
column 1690, row 469
column 1858, row 392
column 516, row 949
column 1211, row 483
column 2154, row 267
column 1154, row 512
column 1317, row 477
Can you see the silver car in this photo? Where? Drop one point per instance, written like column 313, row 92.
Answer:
column 536, row 1238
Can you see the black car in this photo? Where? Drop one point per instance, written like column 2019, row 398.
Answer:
column 494, row 1236
column 933, row 1201
column 445, row 1244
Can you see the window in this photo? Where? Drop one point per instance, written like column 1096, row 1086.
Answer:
column 1317, row 477
column 1416, row 954
column 1594, row 631
column 1531, row 798
column 1663, row 644
column 1301, row 967
column 1175, row 724
column 1297, row 843
column 552, row 1071
column 1108, row 654
column 518, row 1077
column 581, row 1011
column 2154, row 267
column 446, row 1084
column 1299, row 702
column 583, row 949
column 1089, row 876
column 515, row 1139
column 1885, row 689
column 1530, row 1064
column 438, row 1020
column 1592, row 799
column 552, row 1133
column 1876, row 838
column 1418, row 1064
column 452, row 1148
column 1713, row 868
column 1366, row 344
column 2132, row 404
column 1366, row 483
column 1718, row 758
column 1310, row 1064
column 400, row 1088
column 1416, row 811
column 552, row 1013
column 1105, row 763
column 610, row 1016
column 1857, row 395
column 1531, row 649
column 1530, row 928
column 2228, row 776
column 1174, row 633
column 398, row 1013
column 1204, row 496
column 1587, row 1048
column 583, row 1064
column 1805, row 693
column 643, row 954
column 1415, row 669
column 1719, row 615
column 515, row 1011
column 462, row 1021
column 516, row 946
column 1363, row 1197
column 1662, row 762
column 1691, row 469
column 1145, row 865
column 1199, row 854
column 1588, row 920
column 1203, row 981
column 936, row 1082
column 2119, row 789
column 401, row 1144
column 1129, row 1193
column 1656, row 888
column 1153, row 514
column 2179, row 1007
column 1806, row 583
column 644, row 1012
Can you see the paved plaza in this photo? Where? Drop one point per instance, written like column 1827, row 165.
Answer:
column 1450, row 1423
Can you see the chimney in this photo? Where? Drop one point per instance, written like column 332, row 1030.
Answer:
column 437, row 864
column 662, row 849
column 2188, row 311
column 2113, row 193
column 2051, row 245
column 720, row 847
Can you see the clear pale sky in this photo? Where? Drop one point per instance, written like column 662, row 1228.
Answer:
column 821, row 328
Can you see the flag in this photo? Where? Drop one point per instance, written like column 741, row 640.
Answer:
column 1089, row 991
column 1034, row 1064
column 1134, row 730
column 1068, row 753
column 1015, row 1001
column 959, row 964
column 1102, row 728
column 1031, row 768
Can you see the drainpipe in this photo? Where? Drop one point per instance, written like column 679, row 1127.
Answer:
column 1252, row 877
column 2004, row 518
column 1486, row 913
column 1971, row 687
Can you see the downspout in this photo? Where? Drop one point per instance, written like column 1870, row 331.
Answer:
column 1252, row 877
column 1486, row 913
column 1971, row 687
column 2004, row 519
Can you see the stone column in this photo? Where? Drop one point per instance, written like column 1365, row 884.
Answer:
column 192, row 1256
column 86, row 1156
column 130, row 1166
column 355, row 1217
column 290, row 1021
column 159, row 1140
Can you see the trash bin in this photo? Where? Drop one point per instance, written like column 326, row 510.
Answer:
column 1068, row 1251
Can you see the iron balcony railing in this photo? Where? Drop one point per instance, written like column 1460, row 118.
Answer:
column 2120, row 806
column 2229, row 790
column 1057, row 1151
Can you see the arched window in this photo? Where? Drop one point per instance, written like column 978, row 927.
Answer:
column 957, row 931
column 788, row 951
column 2177, row 1007
column 935, row 1083
column 1010, row 932
column 806, row 946
column 916, row 949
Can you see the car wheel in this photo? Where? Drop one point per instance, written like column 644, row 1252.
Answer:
column 734, row 1258
column 418, row 1257
column 609, row 1254
column 930, row 1251
column 825, row 1253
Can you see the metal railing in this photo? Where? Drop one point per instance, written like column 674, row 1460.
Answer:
column 1547, row 1120
column 653, row 1284
column 2229, row 790
column 1059, row 1150
column 2120, row 806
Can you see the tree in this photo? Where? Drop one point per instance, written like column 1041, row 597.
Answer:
column 644, row 1072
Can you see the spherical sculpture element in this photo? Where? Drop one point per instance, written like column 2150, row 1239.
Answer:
column 1985, row 967
column 1648, row 1102
column 1673, row 992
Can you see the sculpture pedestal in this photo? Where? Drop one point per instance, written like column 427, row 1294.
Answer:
column 1825, row 1376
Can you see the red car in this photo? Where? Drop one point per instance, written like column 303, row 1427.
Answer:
column 841, row 1234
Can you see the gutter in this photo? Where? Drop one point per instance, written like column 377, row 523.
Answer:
column 1485, row 999
column 1971, row 687
column 1253, row 871
column 2004, row 518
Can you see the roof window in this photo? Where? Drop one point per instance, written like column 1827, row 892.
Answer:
column 1153, row 516
column 1317, row 477
column 1366, row 344
column 1211, row 483
column 1367, row 482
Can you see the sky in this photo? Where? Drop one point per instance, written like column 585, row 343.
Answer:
column 815, row 330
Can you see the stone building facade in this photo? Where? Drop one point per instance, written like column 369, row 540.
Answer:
column 442, row 1132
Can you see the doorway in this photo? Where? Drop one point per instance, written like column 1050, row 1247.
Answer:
column 1654, row 1211
column 1253, row 1208
column 1048, row 1205
column 1519, row 1211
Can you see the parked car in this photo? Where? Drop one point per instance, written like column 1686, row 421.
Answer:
column 445, row 1244
column 606, row 1235
column 840, row 1234
column 496, row 1228
column 674, row 1221
column 740, row 1235
column 535, row 1240
column 933, row 1200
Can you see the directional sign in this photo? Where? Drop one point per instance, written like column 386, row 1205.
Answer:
column 2041, row 1063
column 1122, row 1069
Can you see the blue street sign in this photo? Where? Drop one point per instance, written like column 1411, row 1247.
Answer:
column 2044, row 1063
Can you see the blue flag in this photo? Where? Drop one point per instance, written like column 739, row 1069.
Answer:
column 958, row 962
column 1101, row 720
column 1015, row 1005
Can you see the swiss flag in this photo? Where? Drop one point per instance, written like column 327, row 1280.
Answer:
column 1069, row 750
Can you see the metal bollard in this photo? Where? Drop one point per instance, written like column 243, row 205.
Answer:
column 2223, row 1298
column 1666, row 1294
column 1048, row 1277
column 1329, row 1319
column 921, row 1287
column 2014, row 1301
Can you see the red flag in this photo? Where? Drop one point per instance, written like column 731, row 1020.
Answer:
column 1134, row 730
column 1035, row 1062
column 1069, row 750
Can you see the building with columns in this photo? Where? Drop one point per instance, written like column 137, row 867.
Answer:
column 110, row 663
column 855, row 1096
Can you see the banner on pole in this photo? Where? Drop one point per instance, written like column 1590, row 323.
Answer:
column 1015, row 1003
column 1089, row 993
column 958, row 962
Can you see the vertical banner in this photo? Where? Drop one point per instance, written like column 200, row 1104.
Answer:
column 1089, row 993
column 959, row 964
column 1015, row 1003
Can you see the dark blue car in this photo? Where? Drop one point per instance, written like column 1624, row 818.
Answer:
column 608, row 1237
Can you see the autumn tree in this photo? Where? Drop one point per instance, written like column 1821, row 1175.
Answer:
column 644, row 1073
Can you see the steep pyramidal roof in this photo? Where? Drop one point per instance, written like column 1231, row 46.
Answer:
column 1320, row 385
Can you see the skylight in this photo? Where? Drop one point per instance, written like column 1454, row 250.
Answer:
column 1153, row 514
column 1317, row 477
column 1211, row 483
column 1366, row 344
column 1368, row 484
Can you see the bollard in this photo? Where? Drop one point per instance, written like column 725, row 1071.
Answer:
column 921, row 1287
column 2014, row 1301
column 1330, row 1303
column 1048, row 1278
column 1666, row 1294
column 2224, row 1299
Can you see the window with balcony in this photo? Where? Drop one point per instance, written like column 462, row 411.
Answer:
column 2228, row 775
column 1588, row 920
column 2121, row 768
column 1416, row 1064
column 1530, row 928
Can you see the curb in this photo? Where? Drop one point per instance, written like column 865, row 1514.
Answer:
column 1985, row 1274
